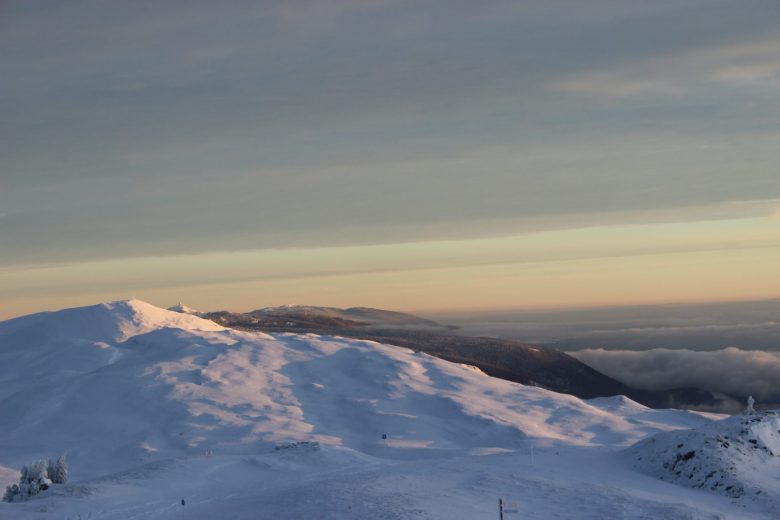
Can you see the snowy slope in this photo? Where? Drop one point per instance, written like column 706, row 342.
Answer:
column 736, row 457
column 152, row 406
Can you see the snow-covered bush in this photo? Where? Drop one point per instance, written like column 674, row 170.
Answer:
column 11, row 492
column 36, row 477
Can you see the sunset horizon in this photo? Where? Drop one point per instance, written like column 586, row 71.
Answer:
column 389, row 259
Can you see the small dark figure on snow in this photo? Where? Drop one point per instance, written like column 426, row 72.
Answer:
column 182, row 501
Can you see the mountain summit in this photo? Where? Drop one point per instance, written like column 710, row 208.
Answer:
column 114, row 321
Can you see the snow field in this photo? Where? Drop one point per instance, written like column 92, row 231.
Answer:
column 152, row 406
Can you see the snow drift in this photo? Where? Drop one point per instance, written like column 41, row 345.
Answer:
column 737, row 456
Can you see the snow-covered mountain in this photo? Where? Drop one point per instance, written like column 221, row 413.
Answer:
column 523, row 363
column 154, row 407
column 360, row 315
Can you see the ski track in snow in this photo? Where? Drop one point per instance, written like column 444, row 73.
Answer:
column 154, row 406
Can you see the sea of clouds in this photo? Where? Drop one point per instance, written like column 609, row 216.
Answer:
column 730, row 348
column 731, row 370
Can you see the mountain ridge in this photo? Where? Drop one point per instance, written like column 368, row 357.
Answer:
column 155, row 409
column 539, row 365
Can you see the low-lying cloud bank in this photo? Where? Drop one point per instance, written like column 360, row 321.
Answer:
column 761, row 336
column 731, row 370
column 749, row 325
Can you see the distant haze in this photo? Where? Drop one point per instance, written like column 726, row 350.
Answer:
column 749, row 325
column 731, row 348
column 405, row 155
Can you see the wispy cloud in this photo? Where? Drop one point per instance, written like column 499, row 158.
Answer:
column 752, row 64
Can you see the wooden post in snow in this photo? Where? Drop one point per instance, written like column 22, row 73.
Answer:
column 500, row 509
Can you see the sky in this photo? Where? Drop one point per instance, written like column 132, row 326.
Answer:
column 425, row 156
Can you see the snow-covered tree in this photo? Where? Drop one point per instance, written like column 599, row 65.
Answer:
column 32, row 480
column 58, row 473
column 36, row 473
column 750, row 405
column 50, row 470
column 11, row 492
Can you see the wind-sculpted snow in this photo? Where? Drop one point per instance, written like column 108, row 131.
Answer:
column 135, row 394
column 737, row 457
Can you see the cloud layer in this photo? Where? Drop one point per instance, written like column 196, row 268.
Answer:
column 750, row 325
column 152, row 128
column 731, row 370
column 154, row 135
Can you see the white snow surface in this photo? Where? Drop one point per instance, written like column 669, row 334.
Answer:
column 154, row 407
column 739, row 456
